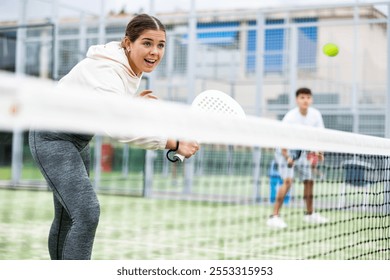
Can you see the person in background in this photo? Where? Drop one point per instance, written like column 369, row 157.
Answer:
column 303, row 114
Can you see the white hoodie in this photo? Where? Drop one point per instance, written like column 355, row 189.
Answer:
column 107, row 70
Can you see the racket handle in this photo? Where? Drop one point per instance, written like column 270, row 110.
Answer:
column 176, row 156
column 179, row 157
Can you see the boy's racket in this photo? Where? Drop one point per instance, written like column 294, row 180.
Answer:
column 312, row 157
column 213, row 101
column 294, row 154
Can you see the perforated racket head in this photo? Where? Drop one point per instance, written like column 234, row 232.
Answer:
column 218, row 102
column 295, row 154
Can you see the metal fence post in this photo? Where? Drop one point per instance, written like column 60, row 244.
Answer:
column 97, row 161
column 17, row 157
column 148, row 173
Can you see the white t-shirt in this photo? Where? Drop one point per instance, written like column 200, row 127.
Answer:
column 313, row 117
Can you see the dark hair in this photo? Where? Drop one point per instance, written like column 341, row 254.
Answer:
column 303, row 91
column 140, row 23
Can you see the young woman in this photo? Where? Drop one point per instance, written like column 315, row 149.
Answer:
column 63, row 158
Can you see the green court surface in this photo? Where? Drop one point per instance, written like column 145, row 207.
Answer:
column 146, row 228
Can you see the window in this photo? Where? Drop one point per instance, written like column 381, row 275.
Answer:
column 275, row 46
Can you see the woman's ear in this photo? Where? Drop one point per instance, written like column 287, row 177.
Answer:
column 126, row 43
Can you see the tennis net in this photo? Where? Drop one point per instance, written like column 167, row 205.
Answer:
column 212, row 206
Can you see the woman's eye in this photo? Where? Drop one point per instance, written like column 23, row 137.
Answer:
column 161, row 46
column 147, row 44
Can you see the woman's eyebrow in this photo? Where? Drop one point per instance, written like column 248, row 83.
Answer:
column 149, row 39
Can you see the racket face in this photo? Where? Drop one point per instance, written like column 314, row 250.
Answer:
column 295, row 154
column 218, row 102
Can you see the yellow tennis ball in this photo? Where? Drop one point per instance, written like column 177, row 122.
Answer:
column 330, row 49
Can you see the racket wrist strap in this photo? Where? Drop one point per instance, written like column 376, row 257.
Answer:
column 177, row 145
column 174, row 159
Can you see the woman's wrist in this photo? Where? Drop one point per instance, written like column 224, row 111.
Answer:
column 172, row 144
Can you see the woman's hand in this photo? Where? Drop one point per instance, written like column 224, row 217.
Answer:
column 188, row 148
column 148, row 94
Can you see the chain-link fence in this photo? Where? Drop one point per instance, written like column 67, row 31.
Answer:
column 259, row 57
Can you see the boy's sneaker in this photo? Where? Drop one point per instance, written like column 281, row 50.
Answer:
column 276, row 222
column 315, row 218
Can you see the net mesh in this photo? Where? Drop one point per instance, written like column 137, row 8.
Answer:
column 214, row 205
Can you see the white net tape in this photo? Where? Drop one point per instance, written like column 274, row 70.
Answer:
column 27, row 102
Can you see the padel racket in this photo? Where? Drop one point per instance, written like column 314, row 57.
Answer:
column 213, row 101
column 294, row 154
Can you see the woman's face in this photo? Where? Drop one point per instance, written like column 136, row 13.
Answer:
column 147, row 51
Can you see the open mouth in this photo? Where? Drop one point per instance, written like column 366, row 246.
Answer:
column 150, row 62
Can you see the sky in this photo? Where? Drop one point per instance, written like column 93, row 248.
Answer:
column 42, row 8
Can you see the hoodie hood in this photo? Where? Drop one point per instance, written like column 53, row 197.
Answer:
column 112, row 51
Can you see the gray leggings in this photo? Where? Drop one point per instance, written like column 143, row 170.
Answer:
column 64, row 162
